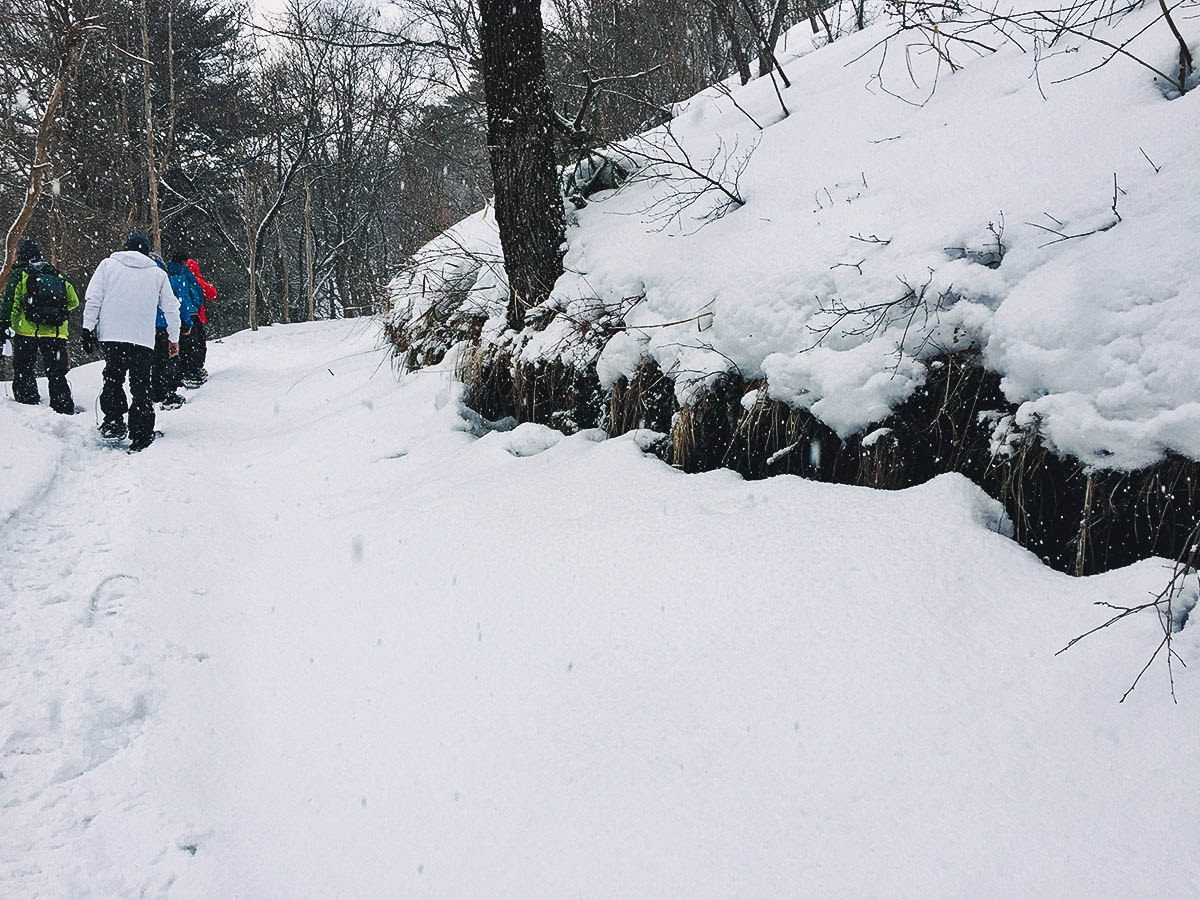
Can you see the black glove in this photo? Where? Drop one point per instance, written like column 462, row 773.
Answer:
column 89, row 341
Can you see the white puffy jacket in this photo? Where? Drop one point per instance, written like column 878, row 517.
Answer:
column 123, row 299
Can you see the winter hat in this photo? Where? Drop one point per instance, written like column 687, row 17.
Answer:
column 179, row 257
column 28, row 252
column 139, row 242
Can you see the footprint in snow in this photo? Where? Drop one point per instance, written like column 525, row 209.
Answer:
column 105, row 732
column 106, row 598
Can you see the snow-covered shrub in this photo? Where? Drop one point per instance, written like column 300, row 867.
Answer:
column 447, row 292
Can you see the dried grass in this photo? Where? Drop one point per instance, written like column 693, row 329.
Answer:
column 941, row 428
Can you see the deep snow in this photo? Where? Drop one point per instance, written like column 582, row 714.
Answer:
column 892, row 174
column 325, row 640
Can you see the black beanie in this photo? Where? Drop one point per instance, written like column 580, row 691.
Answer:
column 139, row 242
column 28, row 251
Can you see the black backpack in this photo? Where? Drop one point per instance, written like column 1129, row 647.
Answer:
column 45, row 297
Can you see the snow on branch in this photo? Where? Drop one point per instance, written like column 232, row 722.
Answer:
column 688, row 179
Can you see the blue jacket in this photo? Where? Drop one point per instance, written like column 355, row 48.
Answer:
column 187, row 289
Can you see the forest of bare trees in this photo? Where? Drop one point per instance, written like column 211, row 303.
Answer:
column 301, row 155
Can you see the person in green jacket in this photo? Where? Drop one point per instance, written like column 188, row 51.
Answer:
column 34, row 308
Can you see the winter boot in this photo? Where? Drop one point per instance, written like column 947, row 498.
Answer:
column 173, row 400
column 141, row 442
column 113, row 429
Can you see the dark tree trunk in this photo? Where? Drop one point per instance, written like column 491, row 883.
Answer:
column 529, row 207
column 766, row 55
column 725, row 15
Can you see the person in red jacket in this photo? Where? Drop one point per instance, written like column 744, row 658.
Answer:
column 194, row 347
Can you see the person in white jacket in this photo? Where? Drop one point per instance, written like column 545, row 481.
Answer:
column 123, row 299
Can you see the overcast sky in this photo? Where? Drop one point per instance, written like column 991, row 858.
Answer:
column 263, row 8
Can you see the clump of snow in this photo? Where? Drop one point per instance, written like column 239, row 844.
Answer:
column 621, row 357
column 1101, row 341
column 1006, row 437
column 902, row 211
column 528, row 439
column 875, row 437
column 846, row 389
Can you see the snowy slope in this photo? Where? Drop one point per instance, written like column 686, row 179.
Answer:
column 878, row 184
column 323, row 640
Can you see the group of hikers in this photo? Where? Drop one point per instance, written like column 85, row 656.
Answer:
column 147, row 318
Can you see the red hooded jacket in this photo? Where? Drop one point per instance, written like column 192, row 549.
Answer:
column 210, row 292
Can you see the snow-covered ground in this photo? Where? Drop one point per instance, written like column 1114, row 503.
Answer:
column 894, row 180
column 324, row 639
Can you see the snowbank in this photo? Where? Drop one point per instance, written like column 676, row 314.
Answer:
column 950, row 202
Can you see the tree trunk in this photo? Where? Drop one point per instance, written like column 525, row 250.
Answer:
column 725, row 15
column 156, row 166
column 529, row 208
column 253, row 289
column 67, row 66
column 287, row 292
column 151, row 162
column 252, row 232
column 308, row 249
column 127, row 169
column 766, row 56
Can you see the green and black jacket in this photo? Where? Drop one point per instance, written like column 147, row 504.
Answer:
column 12, row 307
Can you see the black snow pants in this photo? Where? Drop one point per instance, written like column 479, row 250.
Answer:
column 192, row 350
column 133, row 359
column 56, row 362
column 164, row 378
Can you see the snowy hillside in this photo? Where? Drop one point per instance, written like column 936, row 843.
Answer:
column 332, row 637
column 923, row 196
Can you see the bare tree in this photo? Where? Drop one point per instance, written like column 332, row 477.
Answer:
column 68, row 30
column 529, row 208
column 156, row 163
column 308, row 250
column 291, row 90
column 766, row 55
column 725, row 12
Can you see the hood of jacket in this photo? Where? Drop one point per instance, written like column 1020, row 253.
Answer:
column 134, row 259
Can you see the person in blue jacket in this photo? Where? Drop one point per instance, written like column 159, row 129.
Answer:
column 164, row 381
column 186, row 287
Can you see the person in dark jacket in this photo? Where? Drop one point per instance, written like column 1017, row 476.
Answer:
column 194, row 349
column 122, row 299
column 34, row 311
column 191, row 299
column 164, row 367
